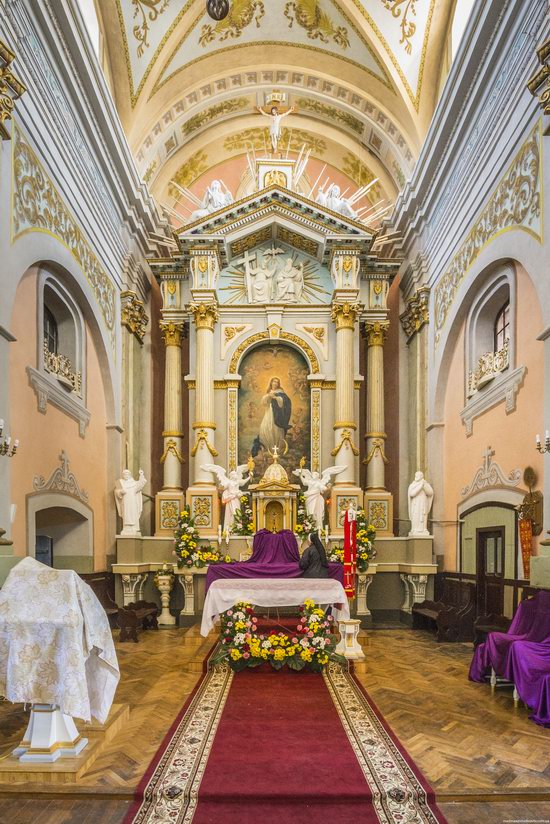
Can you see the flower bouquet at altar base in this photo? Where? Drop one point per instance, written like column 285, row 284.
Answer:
column 336, row 555
column 311, row 646
column 187, row 549
column 242, row 519
column 366, row 534
column 305, row 523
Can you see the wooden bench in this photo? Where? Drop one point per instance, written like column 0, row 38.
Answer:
column 102, row 584
column 453, row 615
column 484, row 624
column 134, row 616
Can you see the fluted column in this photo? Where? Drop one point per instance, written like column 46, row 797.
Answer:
column 204, row 450
column 344, row 316
column 376, row 427
column 172, row 457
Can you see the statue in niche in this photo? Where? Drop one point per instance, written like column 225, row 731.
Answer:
column 290, row 282
column 276, row 420
column 316, row 485
column 333, row 200
column 275, row 116
column 214, row 198
column 129, row 501
column 231, row 485
column 420, row 496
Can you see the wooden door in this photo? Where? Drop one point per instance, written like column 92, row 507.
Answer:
column 490, row 570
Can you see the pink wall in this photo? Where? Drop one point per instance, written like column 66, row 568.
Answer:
column 43, row 437
column 512, row 437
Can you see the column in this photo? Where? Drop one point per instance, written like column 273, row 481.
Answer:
column 172, row 457
column 344, row 316
column 376, row 434
column 205, row 316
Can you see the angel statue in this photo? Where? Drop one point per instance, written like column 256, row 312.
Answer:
column 231, row 485
column 316, row 485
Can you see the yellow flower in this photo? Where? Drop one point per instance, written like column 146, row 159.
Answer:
column 306, row 655
column 309, row 604
column 279, row 654
column 240, row 625
column 322, row 658
column 235, row 654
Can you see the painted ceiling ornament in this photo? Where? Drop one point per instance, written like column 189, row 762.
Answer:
column 217, row 9
column 318, row 24
column 403, row 10
column 241, row 14
column 146, row 11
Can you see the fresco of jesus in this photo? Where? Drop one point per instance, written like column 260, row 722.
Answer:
column 276, row 420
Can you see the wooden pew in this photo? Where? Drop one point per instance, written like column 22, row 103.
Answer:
column 102, row 584
column 134, row 616
column 452, row 616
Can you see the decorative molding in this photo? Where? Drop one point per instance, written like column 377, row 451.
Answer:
column 37, row 206
column 171, row 446
column 504, row 388
column 514, row 204
column 262, row 336
column 49, row 390
column 61, row 480
column 205, row 315
column 377, row 332
column 11, row 89
column 345, row 438
column 417, row 313
column 230, row 334
column 344, row 315
column 490, row 474
column 539, row 83
column 202, row 437
column 318, row 333
column 133, row 315
column 316, row 430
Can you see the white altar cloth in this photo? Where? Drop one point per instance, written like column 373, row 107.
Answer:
column 272, row 592
column 56, row 645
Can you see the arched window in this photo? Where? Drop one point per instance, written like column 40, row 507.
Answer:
column 51, row 332
column 502, row 327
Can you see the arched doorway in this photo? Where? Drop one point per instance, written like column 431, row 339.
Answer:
column 61, row 531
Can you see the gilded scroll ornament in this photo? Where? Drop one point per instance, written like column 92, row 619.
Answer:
column 315, row 430
column 345, row 437
column 169, row 514
column 317, row 332
column 305, row 244
column 189, row 172
column 404, row 11
column 331, row 113
column 539, row 84
column 377, row 448
column 241, row 14
column 258, row 138
column 288, row 336
column 202, row 437
column 133, row 315
column 232, row 421
column 202, row 510
column 146, row 11
column 38, row 206
column 317, row 23
column 230, row 332
column 515, row 204
column 212, row 113
column 11, row 89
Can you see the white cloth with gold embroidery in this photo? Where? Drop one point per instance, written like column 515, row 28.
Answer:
column 272, row 592
column 56, row 645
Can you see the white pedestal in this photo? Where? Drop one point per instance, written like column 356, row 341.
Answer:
column 164, row 584
column 49, row 735
column 348, row 645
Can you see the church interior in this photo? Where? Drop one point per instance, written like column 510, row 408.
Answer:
column 275, row 305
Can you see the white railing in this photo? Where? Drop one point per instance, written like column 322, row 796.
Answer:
column 489, row 366
column 61, row 366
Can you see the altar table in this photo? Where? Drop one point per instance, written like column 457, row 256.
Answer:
column 272, row 592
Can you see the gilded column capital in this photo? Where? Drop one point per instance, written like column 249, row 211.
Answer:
column 172, row 332
column 205, row 315
column 133, row 315
column 539, row 83
column 10, row 89
column 344, row 315
column 417, row 313
column 377, row 332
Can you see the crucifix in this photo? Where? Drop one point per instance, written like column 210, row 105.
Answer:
column 275, row 115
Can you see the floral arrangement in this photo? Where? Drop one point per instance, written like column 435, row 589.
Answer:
column 305, row 523
column 242, row 520
column 187, row 549
column 366, row 534
column 311, row 646
column 336, row 555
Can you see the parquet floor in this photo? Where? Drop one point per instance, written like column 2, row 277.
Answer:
column 485, row 760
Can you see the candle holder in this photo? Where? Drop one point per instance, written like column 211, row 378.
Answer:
column 542, row 448
column 6, row 446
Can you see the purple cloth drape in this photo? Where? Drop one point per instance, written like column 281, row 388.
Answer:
column 529, row 669
column 531, row 623
column 273, row 556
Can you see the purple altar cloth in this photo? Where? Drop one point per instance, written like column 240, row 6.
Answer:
column 529, row 669
column 273, row 556
column 531, row 623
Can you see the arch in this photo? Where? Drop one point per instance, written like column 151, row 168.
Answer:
column 37, row 502
column 261, row 337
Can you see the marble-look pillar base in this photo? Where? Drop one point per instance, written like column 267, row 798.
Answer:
column 50, row 735
column 168, row 505
column 349, row 645
column 379, row 512
column 204, row 503
column 342, row 496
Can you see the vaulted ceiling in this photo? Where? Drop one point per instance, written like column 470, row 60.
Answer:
column 364, row 76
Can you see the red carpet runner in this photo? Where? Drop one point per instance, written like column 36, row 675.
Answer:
column 266, row 747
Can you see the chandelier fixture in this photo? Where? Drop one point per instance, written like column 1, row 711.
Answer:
column 6, row 446
column 217, row 9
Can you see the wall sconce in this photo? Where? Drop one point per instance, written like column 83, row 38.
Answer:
column 5, row 443
column 546, row 448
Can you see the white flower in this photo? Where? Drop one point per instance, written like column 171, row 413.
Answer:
column 318, row 642
column 305, row 642
column 266, row 644
column 239, row 616
column 313, row 619
column 239, row 638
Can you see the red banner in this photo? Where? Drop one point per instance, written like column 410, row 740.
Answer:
column 350, row 552
column 526, row 543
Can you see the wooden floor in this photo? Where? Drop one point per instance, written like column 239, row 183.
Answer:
column 485, row 760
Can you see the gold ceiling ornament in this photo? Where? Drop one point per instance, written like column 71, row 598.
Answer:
column 377, row 332
column 149, row 172
column 133, row 315
column 212, row 112
column 345, row 437
column 318, row 24
column 171, row 446
column 192, row 169
column 539, row 83
column 304, row 244
column 259, row 138
column 241, row 14
column 205, row 315
column 344, row 315
column 147, row 11
column 331, row 113
column 404, row 11
column 37, row 206
column 11, row 89
column 377, row 447
column 360, row 174
column 172, row 332
column 514, row 204
column 417, row 313
column 202, row 437
column 250, row 241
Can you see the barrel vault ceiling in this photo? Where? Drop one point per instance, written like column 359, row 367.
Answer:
column 363, row 75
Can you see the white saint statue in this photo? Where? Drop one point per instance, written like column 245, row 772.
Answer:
column 261, row 278
column 275, row 117
column 129, row 501
column 333, row 200
column 421, row 497
column 231, row 490
column 316, row 485
column 290, row 282
column 214, row 198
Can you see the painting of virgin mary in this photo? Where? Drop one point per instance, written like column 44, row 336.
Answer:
column 276, row 419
